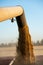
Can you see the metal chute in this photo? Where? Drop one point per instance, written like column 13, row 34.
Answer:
column 10, row 12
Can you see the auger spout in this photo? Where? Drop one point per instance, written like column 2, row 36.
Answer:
column 10, row 12
column 25, row 48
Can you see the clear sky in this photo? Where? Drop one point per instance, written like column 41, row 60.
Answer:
column 34, row 16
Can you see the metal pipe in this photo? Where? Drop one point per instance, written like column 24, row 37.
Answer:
column 10, row 12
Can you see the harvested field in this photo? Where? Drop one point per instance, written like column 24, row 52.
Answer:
column 38, row 50
column 11, row 51
column 8, row 53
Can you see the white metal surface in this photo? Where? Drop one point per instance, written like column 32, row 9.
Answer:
column 10, row 12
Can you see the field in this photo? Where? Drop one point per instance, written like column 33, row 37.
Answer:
column 38, row 50
column 8, row 53
column 11, row 51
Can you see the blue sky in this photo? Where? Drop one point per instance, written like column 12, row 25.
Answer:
column 34, row 17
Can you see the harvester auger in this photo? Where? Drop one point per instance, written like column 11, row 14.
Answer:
column 25, row 53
